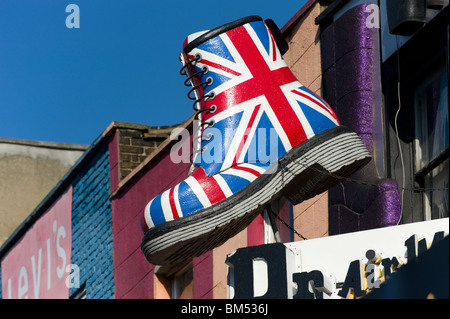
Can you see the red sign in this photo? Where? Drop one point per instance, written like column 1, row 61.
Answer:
column 38, row 266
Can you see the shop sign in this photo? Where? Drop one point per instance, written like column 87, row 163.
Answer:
column 36, row 267
column 341, row 266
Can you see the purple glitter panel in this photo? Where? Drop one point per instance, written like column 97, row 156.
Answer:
column 349, row 63
column 358, row 65
column 351, row 32
column 355, row 111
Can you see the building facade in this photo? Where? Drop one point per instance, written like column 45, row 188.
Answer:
column 28, row 171
column 385, row 75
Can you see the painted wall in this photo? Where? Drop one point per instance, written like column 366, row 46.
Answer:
column 133, row 274
column 92, row 242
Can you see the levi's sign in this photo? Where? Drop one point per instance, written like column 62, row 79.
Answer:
column 36, row 267
column 341, row 266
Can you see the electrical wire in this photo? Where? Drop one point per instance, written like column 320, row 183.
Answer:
column 402, row 190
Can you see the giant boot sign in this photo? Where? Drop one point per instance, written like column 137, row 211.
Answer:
column 253, row 122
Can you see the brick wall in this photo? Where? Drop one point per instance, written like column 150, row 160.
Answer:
column 136, row 142
column 92, row 242
column 304, row 59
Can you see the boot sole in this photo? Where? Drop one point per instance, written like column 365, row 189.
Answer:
column 304, row 172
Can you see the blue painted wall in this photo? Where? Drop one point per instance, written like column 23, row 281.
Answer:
column 92, row 241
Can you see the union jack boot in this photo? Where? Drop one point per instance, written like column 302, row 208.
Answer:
column 262, row 135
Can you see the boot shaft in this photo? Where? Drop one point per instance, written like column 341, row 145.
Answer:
column 250, row 106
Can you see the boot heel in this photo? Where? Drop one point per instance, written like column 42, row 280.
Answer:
column 325, row 166
column 306, row 185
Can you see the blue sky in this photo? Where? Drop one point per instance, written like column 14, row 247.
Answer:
column 67, row 85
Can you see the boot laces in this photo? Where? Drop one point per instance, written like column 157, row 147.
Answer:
column 198, row 98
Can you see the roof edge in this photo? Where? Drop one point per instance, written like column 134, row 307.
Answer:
column 43, row 144
column 297, row 16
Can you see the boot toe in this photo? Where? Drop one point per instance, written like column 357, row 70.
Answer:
column 198, row 192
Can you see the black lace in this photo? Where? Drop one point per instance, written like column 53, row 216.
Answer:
column 196, row 105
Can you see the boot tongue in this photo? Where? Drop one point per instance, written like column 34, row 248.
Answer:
column 184, row 59
column 192, row 37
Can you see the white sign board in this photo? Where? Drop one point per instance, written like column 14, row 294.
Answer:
column 340, row 266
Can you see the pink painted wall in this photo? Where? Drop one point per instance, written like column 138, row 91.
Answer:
column 132, row 272
column 203, row 276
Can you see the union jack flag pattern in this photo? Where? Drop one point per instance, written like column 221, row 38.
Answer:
column 253, row 112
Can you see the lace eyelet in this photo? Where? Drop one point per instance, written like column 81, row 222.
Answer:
column 208, row 137
column 213, row 109
column 211, row 96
